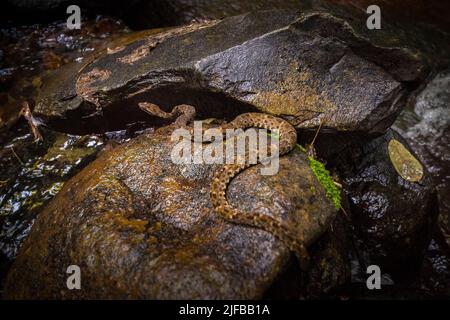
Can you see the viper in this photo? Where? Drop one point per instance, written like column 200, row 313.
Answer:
column 287, row 135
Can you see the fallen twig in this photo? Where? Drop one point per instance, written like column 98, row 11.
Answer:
column 15, row 154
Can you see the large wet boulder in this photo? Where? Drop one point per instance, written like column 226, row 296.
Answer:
column 305, row 66
column 140, row 226
column 426, row 127
column 331, row 266
column 393, row 204
column 329, row 272
column 419, row 22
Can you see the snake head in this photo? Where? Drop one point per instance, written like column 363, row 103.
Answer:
column 150, row 108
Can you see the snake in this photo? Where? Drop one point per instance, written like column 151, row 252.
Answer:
column 287, row 135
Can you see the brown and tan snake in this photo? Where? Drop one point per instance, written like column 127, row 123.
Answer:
column 182, row 114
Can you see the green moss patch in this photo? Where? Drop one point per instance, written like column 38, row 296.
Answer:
column 323, row 176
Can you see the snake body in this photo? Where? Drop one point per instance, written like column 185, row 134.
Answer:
column 223, row 176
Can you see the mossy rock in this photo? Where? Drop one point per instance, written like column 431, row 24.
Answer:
column 140, row 226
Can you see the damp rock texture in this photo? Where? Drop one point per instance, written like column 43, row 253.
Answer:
column 427, row 129
column 303, row 65
column 331, row 267
column 392, row 202
column 140, row 226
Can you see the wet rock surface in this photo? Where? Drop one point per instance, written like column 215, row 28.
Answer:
column 318, row 63
column 418, row 22
column 140, row 226
column 32, row 172
column 180, row 12
column 330, row 270
column 426, row 127
column 331, row 267
column 304, row 66
column 32, row 52
column 392, row 211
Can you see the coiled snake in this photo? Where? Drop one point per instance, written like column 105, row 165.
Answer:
column 182, row 114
